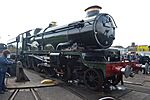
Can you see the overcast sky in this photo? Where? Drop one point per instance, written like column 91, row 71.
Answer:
column 132, row 17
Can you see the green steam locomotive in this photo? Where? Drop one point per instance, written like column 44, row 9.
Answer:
column 78, row 51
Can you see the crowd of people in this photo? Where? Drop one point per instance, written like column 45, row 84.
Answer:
column 130, row 57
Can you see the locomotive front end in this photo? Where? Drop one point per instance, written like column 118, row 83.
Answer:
column 103, row 27
column 104, row 30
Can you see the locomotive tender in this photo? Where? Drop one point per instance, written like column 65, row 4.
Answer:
column 78, row 51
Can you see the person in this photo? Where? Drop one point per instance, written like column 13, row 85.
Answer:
column 147, row 68
column 3, row 69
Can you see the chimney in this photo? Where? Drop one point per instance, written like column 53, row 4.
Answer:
column 92, row 10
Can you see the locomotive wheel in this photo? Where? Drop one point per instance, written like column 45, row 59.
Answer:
column 116, row 79
column 51, row 72
column 93, row 79
column 66, row 73
column 34, row 65
column 28, row 62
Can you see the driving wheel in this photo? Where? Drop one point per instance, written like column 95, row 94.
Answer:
column 93, row 79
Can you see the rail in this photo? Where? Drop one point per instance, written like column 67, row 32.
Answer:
column 34, row 93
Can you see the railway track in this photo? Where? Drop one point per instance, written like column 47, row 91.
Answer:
column 32, row 91
column 72, row 90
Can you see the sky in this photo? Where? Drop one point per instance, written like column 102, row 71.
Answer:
column 131, row 16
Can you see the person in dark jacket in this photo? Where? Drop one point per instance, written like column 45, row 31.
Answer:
column 3, row 69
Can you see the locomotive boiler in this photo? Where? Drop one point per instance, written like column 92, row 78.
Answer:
column 77, row 52
column 96, row 31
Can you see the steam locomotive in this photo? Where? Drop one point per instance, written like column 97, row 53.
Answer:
column 78, row 51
